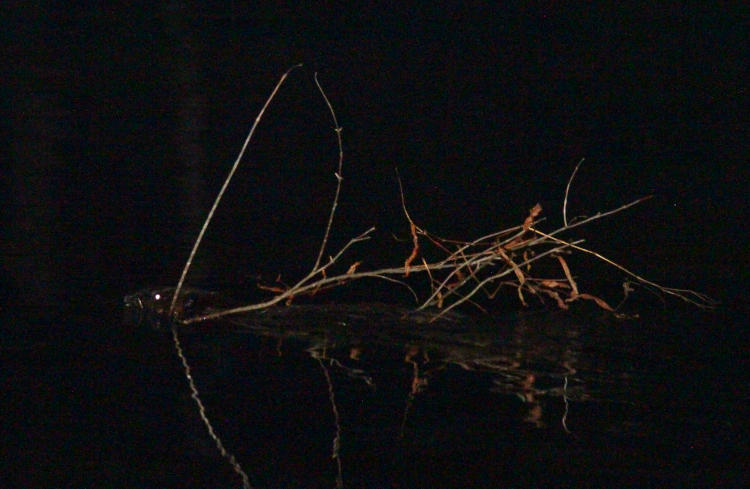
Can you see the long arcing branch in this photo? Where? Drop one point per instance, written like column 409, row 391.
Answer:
column 236, row 164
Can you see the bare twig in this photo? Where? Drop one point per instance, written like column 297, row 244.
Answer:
column 567, row 190
column 695, row 298
column 210, row 216
column 339, row 174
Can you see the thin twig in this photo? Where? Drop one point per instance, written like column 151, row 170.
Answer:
column 339, row 175
column 210, row 216
column 695, row 298
column 567, row 189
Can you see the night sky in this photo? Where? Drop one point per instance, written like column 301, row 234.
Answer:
column 121, row 123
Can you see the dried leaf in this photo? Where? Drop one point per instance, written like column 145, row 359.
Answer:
column 527, row 254
column 560, row 302
column 599, row 302
column 414, row 251
column 568, row 275
column 519, row 274
column 554, row 284
column 353, row 268
column 520, row 295
column 533, row 213
column 272, row 288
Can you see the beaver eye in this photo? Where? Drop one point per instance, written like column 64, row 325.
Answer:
column 157, row 297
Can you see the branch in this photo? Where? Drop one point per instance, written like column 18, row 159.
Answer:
column 210, row 216
column 338, row 174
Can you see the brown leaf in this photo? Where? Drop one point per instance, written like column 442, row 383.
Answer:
column 527, row 254
column 353, row 268
column 533, row 213
column 554, row 284
column 271, row 288
column 568, row 275
column 599, row 302
column 560, row 303
column 414, row 251
column 520, row 296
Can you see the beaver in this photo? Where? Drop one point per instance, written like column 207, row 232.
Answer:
column 151, row 306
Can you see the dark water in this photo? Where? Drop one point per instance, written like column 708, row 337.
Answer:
column 526, row 400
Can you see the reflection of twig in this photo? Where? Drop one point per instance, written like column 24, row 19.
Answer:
column 202, row 412
column 405, row 417
column 565, row 398
column 417, row 384
column 354, row 373
column 336, row 455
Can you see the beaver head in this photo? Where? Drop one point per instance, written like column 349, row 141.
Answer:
column 151, row 306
